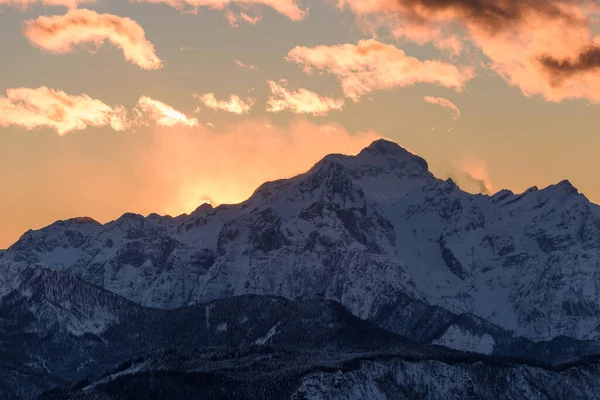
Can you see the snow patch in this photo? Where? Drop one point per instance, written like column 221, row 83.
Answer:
column 268, row 336
column 459, row 339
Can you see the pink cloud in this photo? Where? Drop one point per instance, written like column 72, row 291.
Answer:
column 48, row 108
column 246, row 66
column 235, row 104
column 26, row 4
column 161, row 114
column 444, row 103
column 370, row 66
column 288, row 8
column 235, row 18
column 544, row 47
column 300, row 101
column 60, row 34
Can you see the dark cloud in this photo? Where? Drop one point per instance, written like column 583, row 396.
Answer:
column 492, row 15
column 559, row 70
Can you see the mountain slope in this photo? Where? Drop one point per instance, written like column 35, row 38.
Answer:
column 56, row 329
column 273, row 373
column 369, row 231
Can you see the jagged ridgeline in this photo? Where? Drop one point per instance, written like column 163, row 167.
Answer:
column 364, row 274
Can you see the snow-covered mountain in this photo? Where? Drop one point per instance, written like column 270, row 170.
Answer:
column 56, row 329
column 376, row 232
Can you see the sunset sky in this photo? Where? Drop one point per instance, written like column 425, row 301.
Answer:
column 145, row 106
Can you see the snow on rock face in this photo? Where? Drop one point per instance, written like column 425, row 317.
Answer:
column 51, row 299
column 459, row 339
column 364, row 230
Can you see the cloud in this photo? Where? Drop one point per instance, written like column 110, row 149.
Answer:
column 26, row 4
column 444, row 103
column 370, row 65
column 235, row 18
column 474, row 176
column 235, row 104
column 288, row 8
column 530, row 44
column 161, row 114
column 247, row 66
column 493, row 15
column 300, row 101
column 560, row 70
column 48, row 108
column 60, row 34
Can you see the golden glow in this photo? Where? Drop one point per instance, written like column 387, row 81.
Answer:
column 191, row 166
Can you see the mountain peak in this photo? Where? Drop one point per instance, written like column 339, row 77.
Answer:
column 84, row 220
column 384, row 152
column 567, row 185
column 75, row 221
column 564, row 187
column 385, row 147
column 202, row 209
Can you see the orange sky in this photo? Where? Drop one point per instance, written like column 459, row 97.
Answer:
column 159, row 105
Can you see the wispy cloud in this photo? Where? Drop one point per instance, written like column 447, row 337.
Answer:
column 288, row 8
column 26, row 4
column 444, row 103
column 47, row 108
column 300, row 101
column 234, row 18
column 161, row 114
column 235, row 104
column 61, row 34
column 246, row 66
column 370, row 65
column 475, row 176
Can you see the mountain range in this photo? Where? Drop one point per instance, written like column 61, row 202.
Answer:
column 366, row 276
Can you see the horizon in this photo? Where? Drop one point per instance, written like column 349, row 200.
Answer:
column 155, row 108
